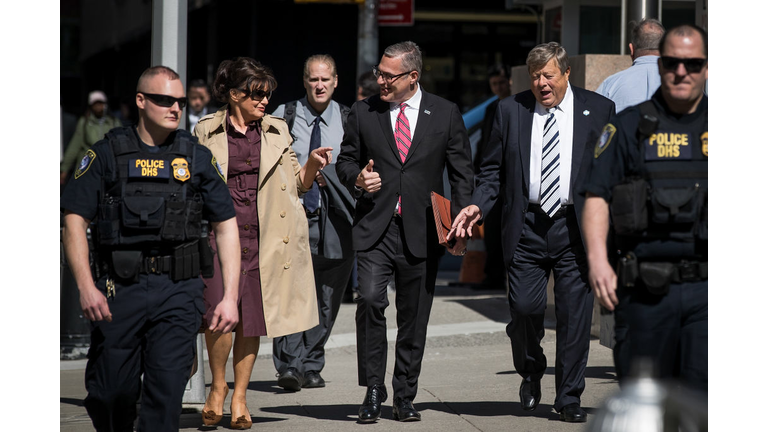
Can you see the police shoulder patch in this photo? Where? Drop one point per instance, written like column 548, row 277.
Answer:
column 605, row 138
column 88, row 159
column 705, row 144
column 218, row 168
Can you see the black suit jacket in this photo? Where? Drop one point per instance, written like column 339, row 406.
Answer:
column 504, row 169
column 440, row 141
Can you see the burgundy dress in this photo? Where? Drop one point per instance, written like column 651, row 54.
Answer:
column 242, row 180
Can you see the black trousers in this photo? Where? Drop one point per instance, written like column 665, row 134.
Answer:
column 672, row 331
column 153, row 330
column 621, row 355
column 305, row 351
column 551, row 245
column 415, row 285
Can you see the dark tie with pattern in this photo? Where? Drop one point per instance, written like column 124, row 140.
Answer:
column 312, row 197
column 550, row 166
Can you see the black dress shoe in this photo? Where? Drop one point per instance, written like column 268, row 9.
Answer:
column 403, row 410
column 313, row 379
column 573, row 413
column 290, row 380
column 370, row 411
column 530, row 394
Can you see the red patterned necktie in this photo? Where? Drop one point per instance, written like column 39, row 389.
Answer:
column 403, row 140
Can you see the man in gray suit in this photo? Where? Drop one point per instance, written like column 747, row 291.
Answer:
column 316, row 120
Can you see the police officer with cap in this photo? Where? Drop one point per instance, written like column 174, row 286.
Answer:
column 649, row 178
column 149, row 189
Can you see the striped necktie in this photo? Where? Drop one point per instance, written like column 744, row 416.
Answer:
column 403, row 133
column 403, row 141
column 550, row 166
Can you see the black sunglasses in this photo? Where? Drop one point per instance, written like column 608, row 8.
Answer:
column 387, row 77
column 165, row 100
column 692, row 65
column 258, row 95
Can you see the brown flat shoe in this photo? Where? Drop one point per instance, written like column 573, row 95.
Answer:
column 241, row 423
column 210, row 418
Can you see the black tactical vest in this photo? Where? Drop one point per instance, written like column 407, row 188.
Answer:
column 674, row 170
column 150, row 198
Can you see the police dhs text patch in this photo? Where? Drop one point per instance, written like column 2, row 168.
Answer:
column 153, row 168
column 668, row 145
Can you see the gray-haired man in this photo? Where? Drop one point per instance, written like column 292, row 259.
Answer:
column 396, row 146
column 539, row 152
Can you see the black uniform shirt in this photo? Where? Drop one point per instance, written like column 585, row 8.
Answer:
column 81, row 195
column 617, row 154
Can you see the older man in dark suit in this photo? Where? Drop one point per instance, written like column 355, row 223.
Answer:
column 395, row 148
column 538, row 153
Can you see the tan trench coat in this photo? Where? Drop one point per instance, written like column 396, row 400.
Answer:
column 285, row 261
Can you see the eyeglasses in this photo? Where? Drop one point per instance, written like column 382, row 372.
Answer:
column 387, row 77
column 165, row 100
column 257, row 95
column 692, row 65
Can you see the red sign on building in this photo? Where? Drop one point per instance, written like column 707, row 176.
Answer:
column 396, row 12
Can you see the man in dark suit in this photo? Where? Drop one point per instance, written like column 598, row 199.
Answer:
column 395, row 148
column 538, row 153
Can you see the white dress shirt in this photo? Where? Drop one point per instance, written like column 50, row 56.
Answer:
column 564, row 118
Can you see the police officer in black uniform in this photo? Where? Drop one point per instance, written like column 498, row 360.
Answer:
column 649, row 177
column 148, row 188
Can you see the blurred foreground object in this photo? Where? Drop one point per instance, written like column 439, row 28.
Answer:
column 645, row 404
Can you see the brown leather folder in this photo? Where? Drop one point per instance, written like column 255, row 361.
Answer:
column 441, row 208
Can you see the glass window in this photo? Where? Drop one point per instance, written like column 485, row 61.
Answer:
column 599, row 30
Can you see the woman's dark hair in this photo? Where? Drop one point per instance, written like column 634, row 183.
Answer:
column 244, row 74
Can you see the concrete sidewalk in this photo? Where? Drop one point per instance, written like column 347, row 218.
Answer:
column 468, row 382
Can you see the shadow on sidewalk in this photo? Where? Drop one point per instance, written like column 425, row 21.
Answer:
column 343, row 412
column 348, row 413
column 189, row 421
column 494, row 308
column 72, row 401
column 488, row 409
column 596, row 372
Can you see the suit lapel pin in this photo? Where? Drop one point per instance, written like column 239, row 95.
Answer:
column 586, row 112
column 427, row 112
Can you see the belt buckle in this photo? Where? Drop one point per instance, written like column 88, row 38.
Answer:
column 152, row 266
column 689, row 272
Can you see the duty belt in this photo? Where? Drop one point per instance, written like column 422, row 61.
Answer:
column 156, row 264
column 687, row 271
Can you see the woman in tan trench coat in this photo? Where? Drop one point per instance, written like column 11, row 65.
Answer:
column 277, row 290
